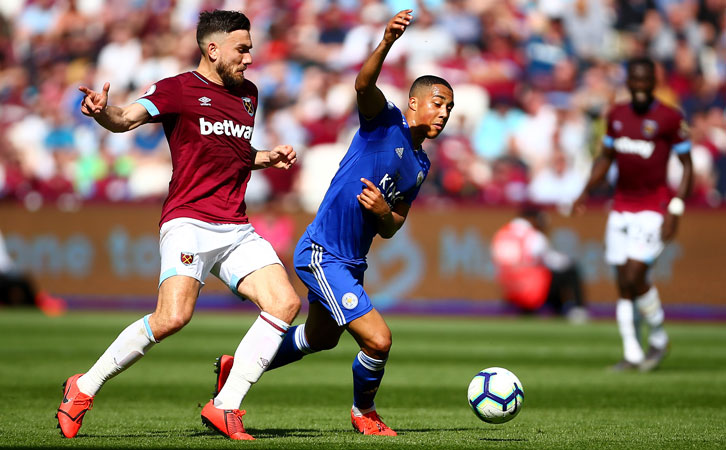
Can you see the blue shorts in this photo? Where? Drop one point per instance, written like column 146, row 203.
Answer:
column 336, row 284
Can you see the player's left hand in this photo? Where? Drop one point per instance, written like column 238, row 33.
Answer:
column 372, row 199
column 282, row 157
column 397, row 25
column 669, row 227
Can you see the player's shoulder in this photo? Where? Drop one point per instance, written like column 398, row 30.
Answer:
column 670, row 111
column 617, row 109
column 249, row 86
column 171, row 84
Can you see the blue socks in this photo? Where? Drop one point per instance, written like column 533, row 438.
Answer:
column 367, row 376
column 293, row 347
column 367, row 371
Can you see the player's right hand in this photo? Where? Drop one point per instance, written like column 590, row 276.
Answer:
column 372, row 199
column 397, row 25
column 94, row 102
column 578, row 206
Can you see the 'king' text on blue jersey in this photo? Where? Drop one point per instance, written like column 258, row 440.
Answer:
column 383, row 153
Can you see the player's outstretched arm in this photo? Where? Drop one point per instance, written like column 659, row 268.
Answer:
column 113, row 118
column 389, row 220
column 280, row 157
column 370, row 99
column 600, row 168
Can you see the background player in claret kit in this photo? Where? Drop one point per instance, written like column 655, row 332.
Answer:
column 208, row 117
column 640, row 136
column 370, row 194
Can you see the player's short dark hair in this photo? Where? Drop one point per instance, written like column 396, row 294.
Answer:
column 641, row 61
column 216, row 21
column 427, row 81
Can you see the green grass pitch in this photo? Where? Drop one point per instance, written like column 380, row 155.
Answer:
column 571, row 400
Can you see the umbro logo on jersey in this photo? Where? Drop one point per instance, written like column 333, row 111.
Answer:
column 205, row 101
column 226, row 127
column 399, row 152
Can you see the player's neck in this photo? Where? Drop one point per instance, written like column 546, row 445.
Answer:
column 418, row 133
column 206, row 70
column 643, row 109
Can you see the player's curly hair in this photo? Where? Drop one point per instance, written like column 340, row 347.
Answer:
column 216, row 21
column 427, row 81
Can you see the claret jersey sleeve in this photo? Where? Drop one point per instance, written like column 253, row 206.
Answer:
column 162, row 97
column 680, row 134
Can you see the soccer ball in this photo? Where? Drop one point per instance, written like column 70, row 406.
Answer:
column 496, row 395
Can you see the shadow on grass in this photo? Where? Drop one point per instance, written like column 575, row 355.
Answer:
column 413, row 432
column 263, row 433
column 175, row 434
column 503, row 440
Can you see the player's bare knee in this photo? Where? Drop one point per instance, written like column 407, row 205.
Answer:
column 378, row 346
column 170, row 324
column 284, row 308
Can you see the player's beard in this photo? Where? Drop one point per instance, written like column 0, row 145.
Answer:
column 641, row 101
column 230, row 78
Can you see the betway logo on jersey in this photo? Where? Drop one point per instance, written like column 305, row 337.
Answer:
column 226, row 127
column 635, row 146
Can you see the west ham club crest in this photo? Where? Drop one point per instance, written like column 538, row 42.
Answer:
column 650, row 128
column 187, row 258
column 249, row 107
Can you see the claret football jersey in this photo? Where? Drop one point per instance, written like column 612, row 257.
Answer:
column 642, row 145
column 383, row 153
column 209, row 130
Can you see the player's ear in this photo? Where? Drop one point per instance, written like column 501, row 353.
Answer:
column 412, row 103
column 212, row 51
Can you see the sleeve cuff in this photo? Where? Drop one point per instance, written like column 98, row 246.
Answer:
column 150, row 107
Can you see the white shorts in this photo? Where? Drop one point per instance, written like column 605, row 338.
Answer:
column 229, row 251
column 633, row 235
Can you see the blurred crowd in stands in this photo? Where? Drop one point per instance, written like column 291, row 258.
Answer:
column 531, row 81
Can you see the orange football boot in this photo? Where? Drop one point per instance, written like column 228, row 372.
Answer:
column 74, row 406
column 370, row 423
column 225, row 421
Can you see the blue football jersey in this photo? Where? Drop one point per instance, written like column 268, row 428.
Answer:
column 383, row 153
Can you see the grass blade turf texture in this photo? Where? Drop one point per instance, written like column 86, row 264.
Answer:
column 571, row 400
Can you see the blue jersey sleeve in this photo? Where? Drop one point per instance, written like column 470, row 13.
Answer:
column 376, row 127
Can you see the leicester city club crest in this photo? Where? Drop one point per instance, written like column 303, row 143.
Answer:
column 350, row 300
column 650, row 128
column 187, row 258
column 249, row 107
